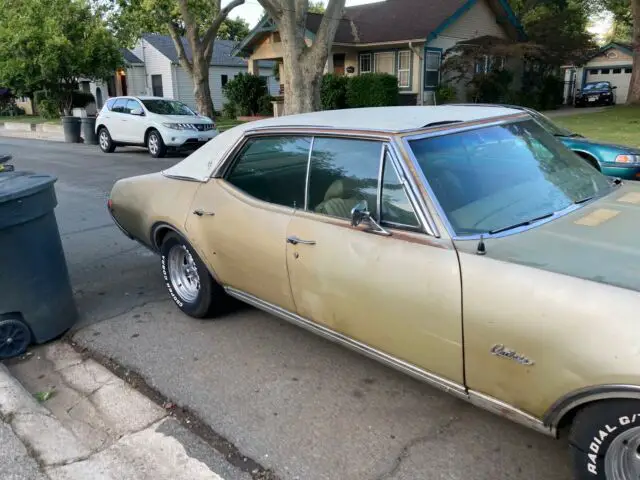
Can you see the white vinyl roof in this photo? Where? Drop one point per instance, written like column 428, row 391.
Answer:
column 201, row 163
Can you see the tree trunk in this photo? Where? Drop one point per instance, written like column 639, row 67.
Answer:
column 201, row 90
column 634, row 87
column 301, row 88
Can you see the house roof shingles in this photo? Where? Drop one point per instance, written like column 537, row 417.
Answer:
column 221, row 56
column 390, row 20
column 130, row 57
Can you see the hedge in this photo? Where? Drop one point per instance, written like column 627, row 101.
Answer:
column 372, row 90
column 333, row 91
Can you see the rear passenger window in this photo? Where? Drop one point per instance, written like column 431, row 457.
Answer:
column 120, row 105
column 343, row 173
column 273, row 169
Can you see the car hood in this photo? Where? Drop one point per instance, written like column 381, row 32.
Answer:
column 183, row 118
column 577, row 142
column 598, row 242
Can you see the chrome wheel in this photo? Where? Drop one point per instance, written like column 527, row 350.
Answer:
column 104, row 139
column 622, row 460
column 154, row 144
column 15, row 337
column 183, row 273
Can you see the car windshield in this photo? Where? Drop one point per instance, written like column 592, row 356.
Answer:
column 167, row 107
column 549, row 126
column 596, row 86
column 490, row 179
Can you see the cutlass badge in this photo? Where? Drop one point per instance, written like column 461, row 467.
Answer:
column 502, row 351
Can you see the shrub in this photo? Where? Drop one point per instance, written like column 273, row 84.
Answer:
column 245, row 92
column 265, row 107
column 39, row 95
column 446, row 94
column 372, row 90
column 333, row 92
column 49, row 108
column 492, row 87
column 229, row 111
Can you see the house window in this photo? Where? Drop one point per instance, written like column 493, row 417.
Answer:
column 404, row 69
column 617, row 71
column 605, row 71
column 593, row 72
column 383, row 62
column 224, row 79
column 85, row 86
column 628, row 70
column 432, row 69
column 156, row 85
column 488, row 63
column 365, row 63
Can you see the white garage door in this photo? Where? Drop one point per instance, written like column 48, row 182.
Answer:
column 618, row 77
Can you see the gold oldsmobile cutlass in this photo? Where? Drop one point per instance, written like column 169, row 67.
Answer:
column 462, row 245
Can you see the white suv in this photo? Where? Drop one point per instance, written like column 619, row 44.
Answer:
column 160, row 124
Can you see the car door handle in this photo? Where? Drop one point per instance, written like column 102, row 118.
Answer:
column 293, row 240
column 201, row 213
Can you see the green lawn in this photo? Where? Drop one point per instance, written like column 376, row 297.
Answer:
column 225, row 124
column 616, row 125
column 27, row 119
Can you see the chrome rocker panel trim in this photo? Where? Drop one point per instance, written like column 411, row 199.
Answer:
column 484, row 401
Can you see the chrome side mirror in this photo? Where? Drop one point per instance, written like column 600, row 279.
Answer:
column 360, row 214
column 137, row 111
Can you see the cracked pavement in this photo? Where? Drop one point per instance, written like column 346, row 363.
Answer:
column 293, row 402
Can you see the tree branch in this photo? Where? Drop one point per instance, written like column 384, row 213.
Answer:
column 272, row 7
column 327, row 31
column 177, row 41
column 211, row 32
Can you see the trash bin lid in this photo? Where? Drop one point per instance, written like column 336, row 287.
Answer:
column 15, row 185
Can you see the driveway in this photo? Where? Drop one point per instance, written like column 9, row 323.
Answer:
column 291, row 401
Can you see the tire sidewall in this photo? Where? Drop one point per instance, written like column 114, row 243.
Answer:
column 202, row 302
column 591, row 439
column 105, row 131
column 161, row 147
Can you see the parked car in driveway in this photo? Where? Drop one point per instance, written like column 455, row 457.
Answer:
column 614, row 160
column 463, row 245
column 595, row 93
column 160, row 124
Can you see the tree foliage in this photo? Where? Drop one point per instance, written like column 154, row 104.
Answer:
column 50, row 44
column 233, row 29
column 317, row 6
column 198, row 21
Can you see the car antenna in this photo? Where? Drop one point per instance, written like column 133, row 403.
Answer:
column 481, row 250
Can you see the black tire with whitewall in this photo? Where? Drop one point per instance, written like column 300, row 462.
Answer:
column 156, row 145
column 105, row 141
column 190, row 284
column 605, row 441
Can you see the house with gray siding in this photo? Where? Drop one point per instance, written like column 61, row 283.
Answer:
column 152, row 68
column 405, row 38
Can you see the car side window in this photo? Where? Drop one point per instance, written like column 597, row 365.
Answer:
column 343, row 172
column 110, row 103
column 120, row 105
column 132, row 105
column 396, row 208
column 273, row 169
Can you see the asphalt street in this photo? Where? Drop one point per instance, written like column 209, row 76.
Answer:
column 289, row 400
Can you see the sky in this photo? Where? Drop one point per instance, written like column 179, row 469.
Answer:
column 251, row 11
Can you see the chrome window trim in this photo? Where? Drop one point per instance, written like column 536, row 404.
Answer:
column 422, row 225
column 460, row 391
column 308, row 175
column 415, row 197
column 383, row 150
column 441, row 213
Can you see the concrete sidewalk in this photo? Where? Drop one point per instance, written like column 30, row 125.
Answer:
column 36, row 131
column 69, row 418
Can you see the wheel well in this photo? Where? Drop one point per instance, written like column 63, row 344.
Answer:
column 590, row 159
column 158, row 235
column 100, row 127
column 146, row 134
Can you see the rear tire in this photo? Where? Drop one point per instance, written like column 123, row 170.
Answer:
column 605, row 438
column 190, row 284
column 156, row 145
column 105, row 141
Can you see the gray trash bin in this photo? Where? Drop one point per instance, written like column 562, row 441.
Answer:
column 89, row 130
column 36, row 301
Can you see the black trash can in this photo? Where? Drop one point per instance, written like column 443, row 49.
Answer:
column 71, row 128
column 36, row 301
column 89, row 130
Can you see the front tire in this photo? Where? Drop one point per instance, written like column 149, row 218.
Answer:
column 156, row 145
column 605, row 441
column 105, row 141
column 190, row 285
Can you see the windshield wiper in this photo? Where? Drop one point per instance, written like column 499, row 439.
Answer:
column 521, row 224
column 584, row 200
